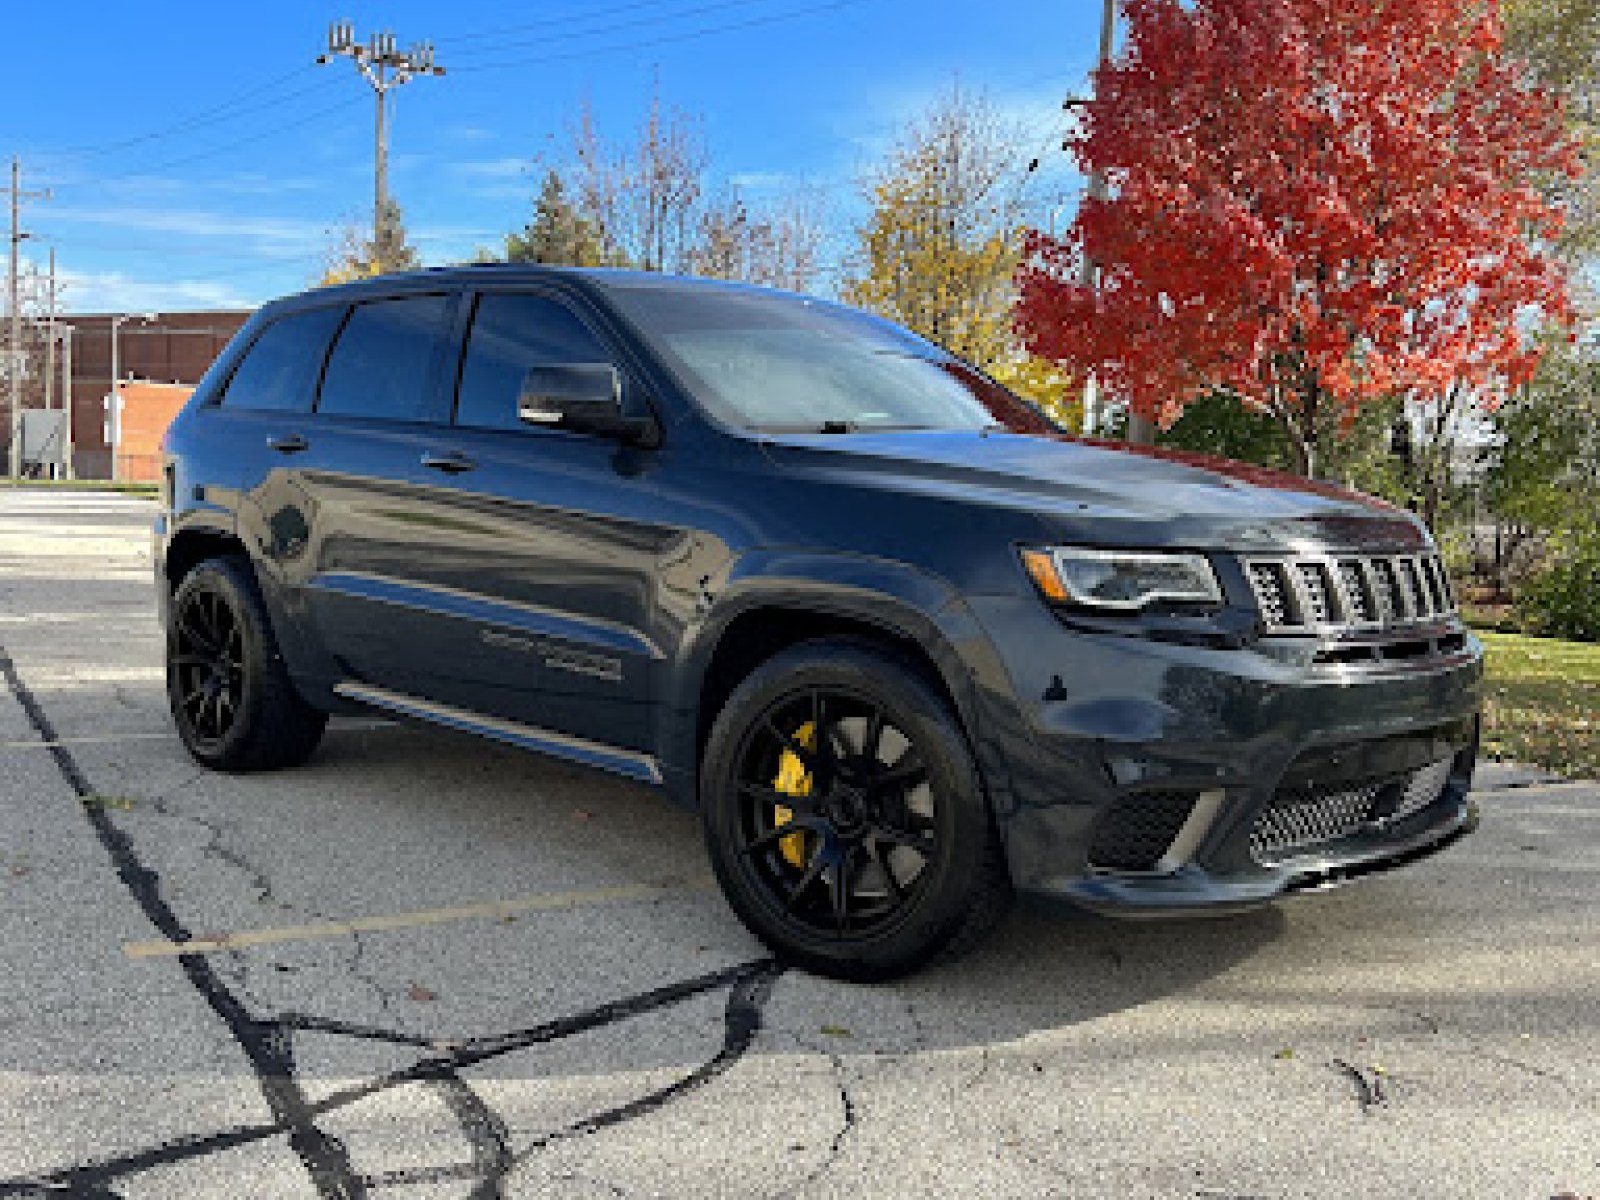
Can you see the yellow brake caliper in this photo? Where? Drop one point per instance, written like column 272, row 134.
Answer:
column 793, row 780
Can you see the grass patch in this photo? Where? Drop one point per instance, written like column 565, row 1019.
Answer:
column 1542, row 703
column 150, row 490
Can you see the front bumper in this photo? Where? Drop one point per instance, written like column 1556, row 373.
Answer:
column 1081, row 729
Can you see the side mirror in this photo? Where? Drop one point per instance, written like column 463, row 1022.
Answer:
column 581, row 398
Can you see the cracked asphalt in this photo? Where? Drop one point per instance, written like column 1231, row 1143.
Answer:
column 470, row 972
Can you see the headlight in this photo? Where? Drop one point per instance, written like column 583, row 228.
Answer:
column 1121, row 580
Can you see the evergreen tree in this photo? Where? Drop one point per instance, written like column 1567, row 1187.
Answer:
column 559, row 234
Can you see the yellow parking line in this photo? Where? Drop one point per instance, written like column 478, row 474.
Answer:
column 98, row 739
column 543, row 902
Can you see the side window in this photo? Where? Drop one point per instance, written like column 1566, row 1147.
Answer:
column 510, row 333
column 279, row 371
column 380, row 364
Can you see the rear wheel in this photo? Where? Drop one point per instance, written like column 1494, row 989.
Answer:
column 844, row 814
column 229, row 691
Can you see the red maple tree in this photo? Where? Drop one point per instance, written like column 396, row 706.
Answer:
column 1312, row 204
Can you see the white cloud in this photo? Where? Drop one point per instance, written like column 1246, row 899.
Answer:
column 495, row 168
column 291, row 232
column 114, row 291
column 756, row 181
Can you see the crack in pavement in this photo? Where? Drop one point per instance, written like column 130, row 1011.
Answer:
column 268, row 1045
column 849, row 1118
column 323, row 1158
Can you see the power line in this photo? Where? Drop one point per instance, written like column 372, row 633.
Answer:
column 485, row 35
column 666, row 39
column 223, row 148
column 634, row 23
column 205, row 116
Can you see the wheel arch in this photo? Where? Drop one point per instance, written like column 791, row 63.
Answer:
column 778, row 601
column 192, row 546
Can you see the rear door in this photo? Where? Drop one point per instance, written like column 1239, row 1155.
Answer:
column 550, row 547
column 379, row 407
column 265, row 410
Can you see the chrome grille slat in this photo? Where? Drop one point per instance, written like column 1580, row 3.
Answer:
column 1348, row 593
column 1316, row 593
column 1411, row 582
column 1357, row 592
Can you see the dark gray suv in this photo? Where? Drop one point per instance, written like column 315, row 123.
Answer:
column 906, row 647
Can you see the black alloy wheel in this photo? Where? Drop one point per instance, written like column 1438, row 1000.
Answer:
column 846, row 853
column 844, row 813
column 228, row 687
column 208, row 662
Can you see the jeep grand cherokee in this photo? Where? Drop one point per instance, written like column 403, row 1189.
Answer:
column 906, row 647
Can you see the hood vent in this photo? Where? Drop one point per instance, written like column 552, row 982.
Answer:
column 1362, row 593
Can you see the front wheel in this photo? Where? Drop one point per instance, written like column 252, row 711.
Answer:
column 231, row 697
column 844, row 814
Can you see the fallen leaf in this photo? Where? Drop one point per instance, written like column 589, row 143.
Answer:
column 836, row 1031
column 582, row 814
column 121, row 803
column 420, row 994
column 1286, row 1052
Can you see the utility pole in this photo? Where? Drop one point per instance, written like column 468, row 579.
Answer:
column 384, row 68
column 1097, row 191
column 66, row 400
column 13, row 288
column 50, row 333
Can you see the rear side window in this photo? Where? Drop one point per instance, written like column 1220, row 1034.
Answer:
column 279, row 371
column 380, row 365
column 510, row 333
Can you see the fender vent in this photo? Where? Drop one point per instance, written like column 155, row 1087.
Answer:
column 1135, row 831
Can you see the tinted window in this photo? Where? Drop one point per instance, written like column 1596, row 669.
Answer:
column 279, row 371
column 380, row 364
column 511, row 333
column 767, row 360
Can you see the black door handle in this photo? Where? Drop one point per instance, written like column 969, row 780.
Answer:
column 451, row 462
column 288, row 443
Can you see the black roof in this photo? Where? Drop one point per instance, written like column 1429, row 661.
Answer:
column 599, row 278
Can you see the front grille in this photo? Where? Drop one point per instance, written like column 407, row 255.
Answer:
column 1298, row 819
column 1348, row 593
column 1135, row 832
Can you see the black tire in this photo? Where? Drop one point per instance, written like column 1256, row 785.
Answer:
column 229, row 691
column 956, row 887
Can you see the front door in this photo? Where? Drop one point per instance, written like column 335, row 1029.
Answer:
column 546, row 552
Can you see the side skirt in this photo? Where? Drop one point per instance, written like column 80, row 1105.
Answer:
column 630, row 763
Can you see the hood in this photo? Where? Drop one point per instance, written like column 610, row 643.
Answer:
column 1110, row 492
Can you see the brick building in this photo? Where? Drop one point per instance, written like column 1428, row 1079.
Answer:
column 174, row 348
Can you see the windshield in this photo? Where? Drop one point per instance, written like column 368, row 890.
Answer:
column 777, row 363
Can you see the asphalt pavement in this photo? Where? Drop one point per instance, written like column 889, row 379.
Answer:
column 426, row 966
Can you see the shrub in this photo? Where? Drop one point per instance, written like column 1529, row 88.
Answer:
column 1564, row 601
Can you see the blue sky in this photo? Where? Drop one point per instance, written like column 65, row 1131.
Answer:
column 199, row 159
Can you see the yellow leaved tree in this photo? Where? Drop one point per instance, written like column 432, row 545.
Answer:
column 938, row 249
